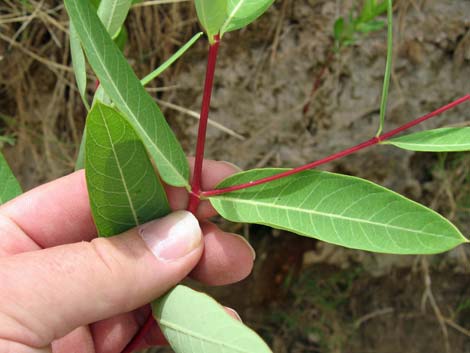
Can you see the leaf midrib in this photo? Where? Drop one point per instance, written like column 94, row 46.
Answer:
column 110, row 17
column 141, row 129
column 330, row 215
column 428, row 144
column 129, row 199
column 231, row 16
column 184, row 331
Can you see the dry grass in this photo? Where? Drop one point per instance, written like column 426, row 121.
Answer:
column 39, row 103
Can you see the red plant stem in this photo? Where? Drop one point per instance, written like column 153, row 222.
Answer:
column 140, row 335
column 201, row 135
column 346, row 152
column 196, row 186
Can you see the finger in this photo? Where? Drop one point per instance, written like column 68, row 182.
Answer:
column 112, row 335
column 77, row 284
column 227, row 257
column 213, row 173
column 54, row 213
column 80, row 337
column 59, row 212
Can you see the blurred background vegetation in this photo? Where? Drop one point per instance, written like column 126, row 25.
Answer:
column 303, row 296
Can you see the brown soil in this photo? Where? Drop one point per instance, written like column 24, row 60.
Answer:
column 303, row 296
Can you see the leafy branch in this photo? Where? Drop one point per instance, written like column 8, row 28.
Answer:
column 127, row 137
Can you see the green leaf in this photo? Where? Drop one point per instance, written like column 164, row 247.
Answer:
column 371, row 26
column 388, row 68
column 9, row 186
column 125, row 90
column 154, row 74
column 338, row 29
column 113, row 13
column 78, row 63
column 101, row 96
column 338, row 209
column 123, row 186
column 367, row 9
column 80, row 162
column 211, row 14
column 240, row 13
column 194, row 322
column 121, row 38
column 448, row 139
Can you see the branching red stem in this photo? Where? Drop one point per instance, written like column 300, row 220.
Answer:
column 346, row 152
column 201, row 135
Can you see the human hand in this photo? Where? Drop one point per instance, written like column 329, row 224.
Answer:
column 65, row 291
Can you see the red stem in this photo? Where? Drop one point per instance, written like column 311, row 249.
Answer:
column 140, row 335
column 196, row 187
column 346, row 152
column 194, row 195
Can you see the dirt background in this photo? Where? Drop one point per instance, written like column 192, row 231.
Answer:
column 303, row 296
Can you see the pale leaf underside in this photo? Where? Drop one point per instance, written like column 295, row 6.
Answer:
column 211, row 14
column 240, row 13
column 113, row 14
column 450, row 139
column 338, row 209
column 193, row 322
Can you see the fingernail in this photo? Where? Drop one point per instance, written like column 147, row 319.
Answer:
column 234, row 313
column 253, row 252
column 234, row 166
column 172, row 237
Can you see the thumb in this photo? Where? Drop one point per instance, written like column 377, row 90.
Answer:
column 48, row 293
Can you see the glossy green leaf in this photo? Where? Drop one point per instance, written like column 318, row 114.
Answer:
column 240, row 13
column 193, row 322
column 125, row 90
column 78, row 64
column 449, row 139
column 113, row 14
column 211, row 14
column 9, row 186
column 124, row 189
column 338, row 209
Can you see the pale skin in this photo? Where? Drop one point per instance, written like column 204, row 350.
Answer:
column 65, row 291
